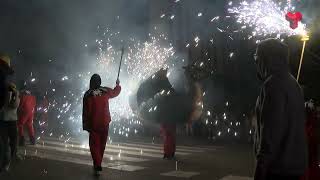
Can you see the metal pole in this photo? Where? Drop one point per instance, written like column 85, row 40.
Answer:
column 305, row 38
column 122, row 51
column 301, row 59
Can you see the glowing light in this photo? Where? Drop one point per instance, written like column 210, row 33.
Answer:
column 265, row 17
column 215, row 18
column 197, row 39
column 140, row 61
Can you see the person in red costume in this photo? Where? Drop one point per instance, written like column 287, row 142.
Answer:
column 26, row 115
column 96, row 117
column 313, row 171
column 168, row 132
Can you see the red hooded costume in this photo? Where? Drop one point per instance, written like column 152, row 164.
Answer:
column 96, row 119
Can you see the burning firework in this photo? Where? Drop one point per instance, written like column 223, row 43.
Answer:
column 266, row 18
column 141, row 60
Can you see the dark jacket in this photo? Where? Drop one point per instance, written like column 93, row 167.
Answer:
column 280, row 139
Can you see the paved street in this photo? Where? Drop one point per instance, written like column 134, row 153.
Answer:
column 57, row 159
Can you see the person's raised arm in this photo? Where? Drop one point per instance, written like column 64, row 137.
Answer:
column 115, row 91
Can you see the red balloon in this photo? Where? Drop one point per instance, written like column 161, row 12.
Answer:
column 294, row 18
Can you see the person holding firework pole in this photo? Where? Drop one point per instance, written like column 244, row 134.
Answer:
column 96, row 117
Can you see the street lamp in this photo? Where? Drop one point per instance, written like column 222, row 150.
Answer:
column 304, row 39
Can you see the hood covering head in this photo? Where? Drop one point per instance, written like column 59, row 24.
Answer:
column 95, row 81
column 272, row 57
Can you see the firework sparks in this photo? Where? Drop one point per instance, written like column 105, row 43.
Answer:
column 215, row 18
column 141, row 60
column 147, row 58
column 265, row 17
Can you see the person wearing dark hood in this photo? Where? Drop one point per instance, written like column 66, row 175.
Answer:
column 280, row 139
column 96, row 118
column 8, row 100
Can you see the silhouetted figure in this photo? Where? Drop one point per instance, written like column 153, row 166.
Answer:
column 280, row 139
column 8, row 114
column 96, row 117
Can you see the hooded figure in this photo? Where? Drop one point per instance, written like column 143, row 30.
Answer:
column 8, row 115
column 280, row 140
column 96, row 117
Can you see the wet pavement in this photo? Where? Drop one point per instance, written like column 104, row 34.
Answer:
column 58, row 160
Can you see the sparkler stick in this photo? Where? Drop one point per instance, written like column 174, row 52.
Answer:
column 304, row 39
column 122, row 51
